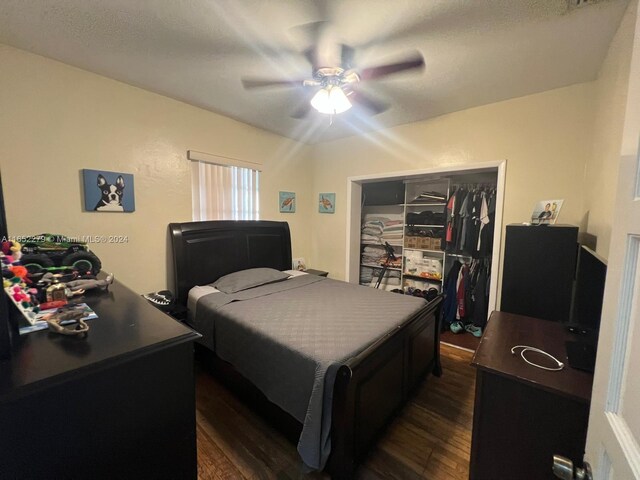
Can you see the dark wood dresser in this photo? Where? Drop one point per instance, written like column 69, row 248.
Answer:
column 524, row 415
column 118, row 404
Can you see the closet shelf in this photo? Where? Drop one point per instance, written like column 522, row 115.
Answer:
column 420, row 277
column 381, row 244
column 373, row 265
column 384, row 205
column 424, row 204
column 424, row 226
column 425, row 250
column 460, row 255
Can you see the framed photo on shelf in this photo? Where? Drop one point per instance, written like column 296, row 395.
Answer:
column 546, row 212
column 299, row 264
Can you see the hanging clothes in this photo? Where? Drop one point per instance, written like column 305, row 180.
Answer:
column 466, row 291
column 465, row 218
column 486, row 247
column 481, row 298
column 469, row 226
column 451, row 205
column 470, row 220
column 472, row 279
column 483, row 219
column 461, row 194
column 461, row 284
column 450, row 304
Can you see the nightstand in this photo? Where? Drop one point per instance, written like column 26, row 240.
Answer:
column 320, row 273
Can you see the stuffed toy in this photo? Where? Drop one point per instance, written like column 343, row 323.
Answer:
column 78, row 287
column 54, row 320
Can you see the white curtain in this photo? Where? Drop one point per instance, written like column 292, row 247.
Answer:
column 223, row 192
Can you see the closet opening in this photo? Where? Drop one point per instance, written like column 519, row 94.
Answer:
column 443, row 227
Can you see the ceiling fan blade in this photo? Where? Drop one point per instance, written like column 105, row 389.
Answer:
column 302, row 111
column 251, row 83
column 321, row 46
column 414, row 61
column 372, row 105
column 347, row 55
column 311, row 55
column 311, row 36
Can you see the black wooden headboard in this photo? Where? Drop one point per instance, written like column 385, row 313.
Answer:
column 205, row 251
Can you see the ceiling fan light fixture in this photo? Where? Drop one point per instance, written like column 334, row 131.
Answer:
column 331, row 100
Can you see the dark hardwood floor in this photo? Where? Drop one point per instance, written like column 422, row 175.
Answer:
column 431, row 438
column 464, row 340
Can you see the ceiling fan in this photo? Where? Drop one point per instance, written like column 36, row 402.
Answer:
column 333, row 86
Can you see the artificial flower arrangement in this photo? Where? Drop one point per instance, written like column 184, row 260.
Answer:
column 41, row 296
column 14, row 280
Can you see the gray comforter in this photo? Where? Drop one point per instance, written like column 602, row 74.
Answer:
column 289, row 339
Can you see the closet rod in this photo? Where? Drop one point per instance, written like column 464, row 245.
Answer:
column 474, row 185
column 458, row 255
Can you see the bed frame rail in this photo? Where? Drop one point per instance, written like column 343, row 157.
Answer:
column 368, row 390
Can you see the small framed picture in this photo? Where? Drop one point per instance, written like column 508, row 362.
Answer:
column 546, row 212
column 327, row 203
column 287, row 202
column 299, row 264
column 108, row 191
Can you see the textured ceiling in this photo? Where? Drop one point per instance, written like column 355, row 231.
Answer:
column 476, row 52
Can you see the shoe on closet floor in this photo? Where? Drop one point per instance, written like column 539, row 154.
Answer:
column 473, row 330
column 456, row 327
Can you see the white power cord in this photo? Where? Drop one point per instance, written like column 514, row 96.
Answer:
column 527, row 348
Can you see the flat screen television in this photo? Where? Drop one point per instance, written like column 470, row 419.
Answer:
column 589, row 290
column 586, row 308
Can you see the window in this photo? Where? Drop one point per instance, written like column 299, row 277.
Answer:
column 222, row 192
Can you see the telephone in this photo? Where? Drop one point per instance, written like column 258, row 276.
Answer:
column 162, row 299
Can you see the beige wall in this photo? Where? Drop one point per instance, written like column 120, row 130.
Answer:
column 545, row 139
column 56, row 120
column 610, row 102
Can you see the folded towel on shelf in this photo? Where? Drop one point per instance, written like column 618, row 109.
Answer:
column 366, row 275
column 372, row 231
column 377, row 255
column 373, row 251
column 393, row 223
column 366, row 238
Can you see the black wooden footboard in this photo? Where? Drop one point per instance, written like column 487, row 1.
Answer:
column 372, row 386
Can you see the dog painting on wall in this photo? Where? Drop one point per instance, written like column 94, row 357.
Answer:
column 106, row 192
column 111, row 195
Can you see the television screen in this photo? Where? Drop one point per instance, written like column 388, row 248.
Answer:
column 589, row 290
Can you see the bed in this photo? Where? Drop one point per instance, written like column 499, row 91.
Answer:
column 352, row 398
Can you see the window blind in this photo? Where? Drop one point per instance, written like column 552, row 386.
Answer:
column 223, row 192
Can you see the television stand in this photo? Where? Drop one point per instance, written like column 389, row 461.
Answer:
column 524, row 415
